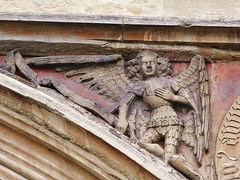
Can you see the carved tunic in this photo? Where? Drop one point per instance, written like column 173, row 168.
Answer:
column 163, row 114
column 149, row 93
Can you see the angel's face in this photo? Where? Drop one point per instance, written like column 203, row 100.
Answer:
column 148, row 66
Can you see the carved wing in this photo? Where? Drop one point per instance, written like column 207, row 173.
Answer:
column 194, row 82
column 103, row 74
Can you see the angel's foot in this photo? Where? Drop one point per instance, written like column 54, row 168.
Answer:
column 45, row 81
column 154, row 148
column 181, row 164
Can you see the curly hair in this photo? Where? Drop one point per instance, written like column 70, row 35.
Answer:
column 133, row 67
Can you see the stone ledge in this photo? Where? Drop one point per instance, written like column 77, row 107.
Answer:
column 120, row 20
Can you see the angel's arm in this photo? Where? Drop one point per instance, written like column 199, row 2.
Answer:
column 124, row 104
column 122, row 123
column 170, row 96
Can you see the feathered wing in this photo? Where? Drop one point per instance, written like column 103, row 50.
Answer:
column 193, row 84
column 108, row 80
column 103, row 74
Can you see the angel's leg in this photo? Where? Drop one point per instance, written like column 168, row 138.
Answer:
column 148, row 141
column 180, row 163
column 171, row 141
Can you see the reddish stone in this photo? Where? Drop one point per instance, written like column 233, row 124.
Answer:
column 51, row 30
column 1, row 59
column 74, row 86
column 225, row 83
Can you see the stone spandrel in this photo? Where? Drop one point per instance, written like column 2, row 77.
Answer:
column 223, row 80
column 146, row 100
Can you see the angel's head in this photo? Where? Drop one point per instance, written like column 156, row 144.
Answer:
column 148, row 64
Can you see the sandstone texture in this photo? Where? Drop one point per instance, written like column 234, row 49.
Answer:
column 160, row 8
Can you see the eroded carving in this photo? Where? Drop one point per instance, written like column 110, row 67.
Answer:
column 227, row 150
column 149, row 105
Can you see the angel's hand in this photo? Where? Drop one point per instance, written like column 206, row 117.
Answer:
column 165, row 94
column 122, row 126
column 122, row 123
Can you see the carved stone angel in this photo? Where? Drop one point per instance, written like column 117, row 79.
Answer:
column 162, row 92
column 147, row 98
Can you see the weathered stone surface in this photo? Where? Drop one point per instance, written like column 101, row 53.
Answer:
column 227, row 147
column 119, row 19
column 225, row 87
column 202, row 9
column 224, row 82
column 219, row 46
column 63, row 38
column 196, row 69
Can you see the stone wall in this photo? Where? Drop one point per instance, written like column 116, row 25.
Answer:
column 162, row 8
